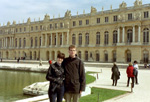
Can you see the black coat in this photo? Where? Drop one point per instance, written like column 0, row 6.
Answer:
column 74, row 75
column 115, row 73
column 56, row 76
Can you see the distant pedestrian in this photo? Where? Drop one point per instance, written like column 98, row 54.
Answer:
column 130, row 74
column 115, row 74
column 18, row 59
column 1, row 59
column 136, row 67
column 145, row 65
column 40, row 62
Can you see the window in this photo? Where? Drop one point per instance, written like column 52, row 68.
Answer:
column 20, row 30
column 60, row 39
column 74, row 23
column 106, row 56
column 31, row 28
column 128, row 56
column 35, row 41
column 40, row 42
column 98, row 38
column 86, row 55
column 97, row 56
column 49, row 40
column 73, row 39
column 106, row 19
column 146, row 15
column 24, row 42
column 40, row 27
column 130, row 16
column 31, row 42
column 115, row 37
column 114, row 56
column 55, row 40
column 19, row 42
column 16, row 30
column 50, row 26
column 87, row 39
column 98, row 20
column 79, row 54
column 80, row 39
column 55, row 25
column 106, row 38
column 80, row 22
column 36, row 27
column 115, row 18
column 145, row 56
column 129, row 36
column 146, row 36
column 16, row 42
column 87, row 22
column 24, row 28
column 61, row 25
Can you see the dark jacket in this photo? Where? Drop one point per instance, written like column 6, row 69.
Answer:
column 129, row 71
column 56, row 76
column 115, row 73
column 74, row 75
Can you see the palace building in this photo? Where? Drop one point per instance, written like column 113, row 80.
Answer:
column 115, row 35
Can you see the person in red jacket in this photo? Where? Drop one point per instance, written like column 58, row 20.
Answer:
column 129, row 72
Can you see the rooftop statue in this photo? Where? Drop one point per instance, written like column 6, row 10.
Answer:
column 93, row 9
column 137, row 3
column 123, row 5
column 68, row 13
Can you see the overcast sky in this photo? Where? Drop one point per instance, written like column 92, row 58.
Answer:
column 20, row 10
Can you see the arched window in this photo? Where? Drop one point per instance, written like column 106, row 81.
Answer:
column 98, row 38
column 86, row 55
column 31, row 42
column 80, row 39
column 114, row 37
column 87, row 39
column 146, row 35
column 49, row 40
column 106, row 38
column 97, row 56
column 60, row 39
column 106, row 56
column 129, row 36
column 19, row 42
column 35, row 41
column 24, row 42
column 114, row 56
column 73, row 39
column 128, row 56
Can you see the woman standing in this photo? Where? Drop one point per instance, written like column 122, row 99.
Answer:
column 129, row 72
column 56, row 77
column 115, row 74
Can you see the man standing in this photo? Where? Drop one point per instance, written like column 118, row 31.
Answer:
column 136, row 67
column 74, row 76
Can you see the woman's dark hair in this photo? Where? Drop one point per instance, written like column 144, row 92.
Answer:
column 61, row 55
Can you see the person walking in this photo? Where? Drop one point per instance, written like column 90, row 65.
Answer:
column 130, row 74
column 115, row 74
column 56, row 77
column 74, row 76
column 136, row 68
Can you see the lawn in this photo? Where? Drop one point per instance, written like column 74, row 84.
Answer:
column 99, row 93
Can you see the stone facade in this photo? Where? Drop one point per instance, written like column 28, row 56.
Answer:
column 120, row 35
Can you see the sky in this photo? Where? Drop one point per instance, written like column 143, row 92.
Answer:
column 21, row 10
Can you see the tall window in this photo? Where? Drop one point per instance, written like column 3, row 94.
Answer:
column 98, row 20
column 60, row 39
column 106, row 19
column 50, row 26
column 31, row 28
column 115, row 37
column 114, row 56
column 24, row 28
column 55, row 25
column 146, row 35
column 24, row 42
column 98, row 38
column 35, row 41
column 61, row 25
column 80, row 22
column 130, row 16
column 16, row 30
column 79, row 54
column 40, row 27
column 106, row 38
column 40, row 42
column 73, row 39
column 86, row 55
column 49, row 40
column 16, row 42
column 19, row 42
column 97, row 56
column 31, row 42
column 36, row 27
column 20, row 30
column 129, row 36
column 87, row 39
column 55, row 40
column 146, row 14
column 74, row 23
column 145, row 56
column 87, row 22
column 106, row 56
column 115, row 18
column 80, row 39
column 128, row 56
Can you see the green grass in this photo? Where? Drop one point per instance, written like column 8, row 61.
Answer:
column 104, row 94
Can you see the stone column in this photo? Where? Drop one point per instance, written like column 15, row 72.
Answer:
column 62, row 37
column 123, row 32
column 139, row 33
column 133, row 38
column 118, row 35
column 67, row 37
column 51, row 40
column 45, row 40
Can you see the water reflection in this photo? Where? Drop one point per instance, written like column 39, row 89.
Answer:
column 12, row 83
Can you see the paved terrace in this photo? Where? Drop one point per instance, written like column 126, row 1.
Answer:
column 140, row 92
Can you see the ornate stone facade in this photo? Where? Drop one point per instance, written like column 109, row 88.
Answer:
column 120, row 35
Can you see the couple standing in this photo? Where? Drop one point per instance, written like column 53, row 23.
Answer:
column 67, row 77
